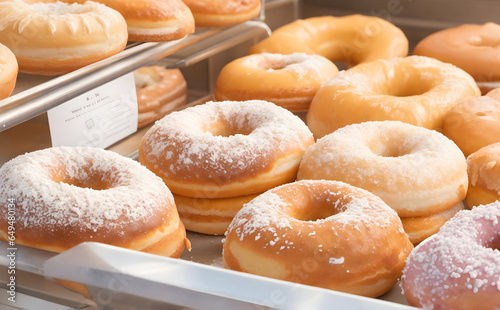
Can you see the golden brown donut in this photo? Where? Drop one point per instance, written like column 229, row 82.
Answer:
column 290, row 81
column 352, row 39
column 415, row 89
column 153, row 20
column 472, row 47
column 416, row 171
column 483, row 167
column 221, row 13
column 305, row 230
column 159, row 91
column 419, row 228
column 64, row 196
column 8, row 71
column 474, row 122
column 226, row 149
column 57, row 38
column 209, row 216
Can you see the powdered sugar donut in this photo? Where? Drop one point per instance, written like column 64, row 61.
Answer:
column 226, row 149
column 64, row 196
column 290, row 81
column 416, row 171
column 459, row 267
column 305, row 230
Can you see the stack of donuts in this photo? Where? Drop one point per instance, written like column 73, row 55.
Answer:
column 368, row 189
column 217, row 156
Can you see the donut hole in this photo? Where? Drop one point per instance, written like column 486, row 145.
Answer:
column 407, row 86
column 493, row 243
column 83, row 179
column 227, row 130
column 385, row 148
column 146, row 76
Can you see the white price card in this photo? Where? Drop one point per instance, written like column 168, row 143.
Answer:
column 98, row 118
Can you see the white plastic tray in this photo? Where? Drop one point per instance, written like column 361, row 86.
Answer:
column 119, row 278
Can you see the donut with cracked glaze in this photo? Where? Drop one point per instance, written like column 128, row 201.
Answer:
column 472, row 47
column 416, row 171
column 8, row 72
column 290, row 81
column 152, row 20
column 225, row 149
column 475, row 122
column 159, row 91
column 305, row 230
column 459, row 267
column 415, row 89
column 222, row 13
column 352, row 39
column 65, row 196
column 483, row 167
column 57, row 38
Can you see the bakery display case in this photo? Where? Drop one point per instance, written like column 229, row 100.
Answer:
column 118, row 278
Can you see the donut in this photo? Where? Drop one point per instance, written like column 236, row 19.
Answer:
column 57, row 38
column 64, row 196
column 225, row 149
column 302, row 231
column 222, row 13
column 352, row 39
column 290, row 81
column 483, row 168
column 459, row 267
column 8, row 72
column 209, row 216
column 152, row 20
column 474, row 122
column 415, row 89
column 419, row 228
column 472, row 47
column 416, row 171
column 159, row 91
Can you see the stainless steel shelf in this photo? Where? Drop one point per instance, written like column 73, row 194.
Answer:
column 29, row 101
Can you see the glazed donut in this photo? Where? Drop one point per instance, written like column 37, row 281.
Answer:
column 221, row 13
column 305, row 230
column 419, row 228
column 64, row 196
column 352, row 39
column 459, row 267
column 474, row 122
column 159, row 91
column 414, row 89
column 290, row 81
column 151, row 20
column 416, row 171
column 8, row 71
column 483, row 167
column 474, row 48
column 209, row 216
column 57, row 38
column 225, row 149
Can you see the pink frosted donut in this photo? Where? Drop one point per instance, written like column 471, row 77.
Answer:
column 459, row 267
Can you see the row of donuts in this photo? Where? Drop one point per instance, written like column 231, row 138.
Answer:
column 351, row 115
column 222, row 151
column 53, row 37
